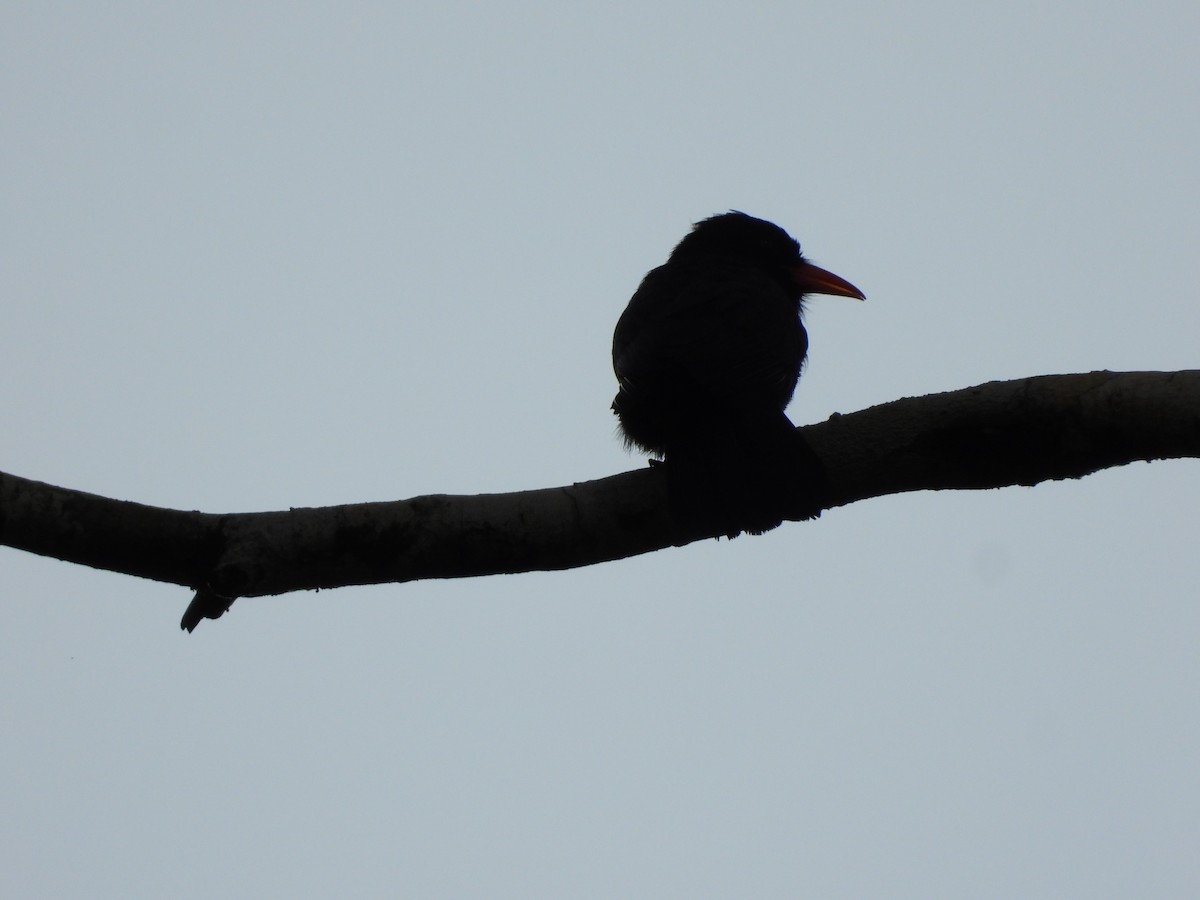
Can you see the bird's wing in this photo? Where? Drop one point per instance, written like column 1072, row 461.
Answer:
column 732, row 334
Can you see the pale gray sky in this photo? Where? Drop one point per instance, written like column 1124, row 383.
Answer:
column 267, row 255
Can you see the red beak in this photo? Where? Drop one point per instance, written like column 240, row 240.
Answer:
column 815, row 280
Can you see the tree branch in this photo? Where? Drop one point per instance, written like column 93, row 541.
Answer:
column 997, row 434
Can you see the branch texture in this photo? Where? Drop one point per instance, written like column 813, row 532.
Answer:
column 996, row 434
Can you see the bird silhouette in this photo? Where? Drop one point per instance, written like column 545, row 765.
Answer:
column 707, row 355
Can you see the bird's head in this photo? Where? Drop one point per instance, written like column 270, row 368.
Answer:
column 735, row 235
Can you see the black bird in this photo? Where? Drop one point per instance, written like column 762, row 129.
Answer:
column 707, row 355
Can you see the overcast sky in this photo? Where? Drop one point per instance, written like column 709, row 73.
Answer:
column 256, row 256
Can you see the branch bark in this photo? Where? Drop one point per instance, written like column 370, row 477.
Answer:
column 1001, row 433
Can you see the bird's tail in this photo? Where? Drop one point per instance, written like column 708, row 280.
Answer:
column 748, row 475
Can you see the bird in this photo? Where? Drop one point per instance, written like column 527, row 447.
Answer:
column 707, row 355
